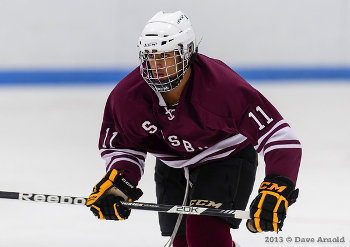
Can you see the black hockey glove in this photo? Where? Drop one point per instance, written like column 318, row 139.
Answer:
column 105, row 199
column 268, row 210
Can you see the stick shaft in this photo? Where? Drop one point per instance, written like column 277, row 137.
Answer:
column 177, row 209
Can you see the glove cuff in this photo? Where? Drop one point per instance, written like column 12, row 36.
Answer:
column 280, row 178
column 131, row 171
column 281, row 185
column 126, row 187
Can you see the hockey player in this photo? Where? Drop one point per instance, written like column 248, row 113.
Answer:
column 205, row 125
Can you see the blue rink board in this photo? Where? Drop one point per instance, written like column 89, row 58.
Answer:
column 94, row 76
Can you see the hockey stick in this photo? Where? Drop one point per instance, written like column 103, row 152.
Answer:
column 238, row 214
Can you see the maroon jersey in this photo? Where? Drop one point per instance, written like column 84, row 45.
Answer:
column 218, row 114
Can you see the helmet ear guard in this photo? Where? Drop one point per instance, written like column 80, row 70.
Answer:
column 164, row 33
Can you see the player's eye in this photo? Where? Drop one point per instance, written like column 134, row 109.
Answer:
column 166, row 55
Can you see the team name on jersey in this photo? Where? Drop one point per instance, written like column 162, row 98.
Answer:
column 174, row 140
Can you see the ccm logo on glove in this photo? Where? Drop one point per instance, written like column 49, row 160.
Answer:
column 269, row 209
column 272, row 186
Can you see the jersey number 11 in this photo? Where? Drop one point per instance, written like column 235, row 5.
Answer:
column 259, row 110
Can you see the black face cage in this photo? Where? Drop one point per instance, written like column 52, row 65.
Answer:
column 166, row 71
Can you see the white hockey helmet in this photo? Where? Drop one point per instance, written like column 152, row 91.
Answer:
column 163, row 33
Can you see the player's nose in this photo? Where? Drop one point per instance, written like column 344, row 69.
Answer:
column 160, row 63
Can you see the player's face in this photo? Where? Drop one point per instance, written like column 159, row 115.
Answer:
column 164, row 66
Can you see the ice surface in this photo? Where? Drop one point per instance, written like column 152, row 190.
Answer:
column 48, row 144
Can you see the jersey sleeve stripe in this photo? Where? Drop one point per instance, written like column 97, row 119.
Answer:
column 272, row 130
column 284, row 142
column 125, row 150
column 281, row 127
column 126, row 159
column 104, row 152
column 282, row 134
column 281, row 146
column 121, row 155
column 111, row 156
